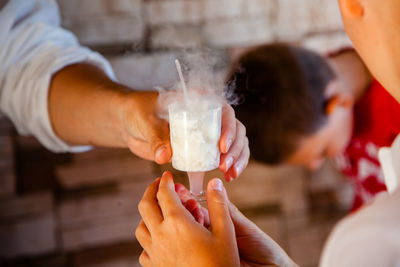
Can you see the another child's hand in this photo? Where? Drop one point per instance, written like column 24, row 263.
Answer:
column 171, row 237
column 256, row 248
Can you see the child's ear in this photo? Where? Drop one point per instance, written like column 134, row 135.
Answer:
column 338, row 100
column 352, row 8
column 331, row 104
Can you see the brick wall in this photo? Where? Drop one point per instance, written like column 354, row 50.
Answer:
column 80, row 210
column 142, row 37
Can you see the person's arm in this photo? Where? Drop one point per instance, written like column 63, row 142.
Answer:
column 65, row 95
column 88, row 108
column 33, row 48
column 351, row 72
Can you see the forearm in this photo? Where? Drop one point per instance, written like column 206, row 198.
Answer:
column 85, row 106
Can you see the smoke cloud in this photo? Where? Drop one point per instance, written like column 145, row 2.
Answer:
column 203, row 81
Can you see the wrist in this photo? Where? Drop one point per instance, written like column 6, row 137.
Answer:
column 121, row 102
column 133, row 110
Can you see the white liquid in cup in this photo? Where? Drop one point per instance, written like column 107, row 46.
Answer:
column 195, row 130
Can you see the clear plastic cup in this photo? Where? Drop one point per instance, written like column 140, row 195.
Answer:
column 195, row 132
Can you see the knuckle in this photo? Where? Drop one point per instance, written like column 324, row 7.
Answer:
column 248, row 149
column 173, row 216
column 231, row 110
column 160, row 194
column 242, row 127
column 221, row 201
column 143, row 206
column 137, row 234
column 142, row 259
column 245, row 163
column 174, row 220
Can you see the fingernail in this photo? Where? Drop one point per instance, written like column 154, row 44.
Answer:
column 228, row 163
column 160, row 151
column 216, row 184
column 179, row 188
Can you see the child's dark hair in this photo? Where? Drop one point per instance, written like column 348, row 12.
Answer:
column 281, row 91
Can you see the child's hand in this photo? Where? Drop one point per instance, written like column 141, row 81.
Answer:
column 170, row 236
column 255, row 247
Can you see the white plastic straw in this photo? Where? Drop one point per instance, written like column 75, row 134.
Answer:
column 178, row 67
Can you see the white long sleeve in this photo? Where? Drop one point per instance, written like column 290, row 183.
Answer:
column 33, row 47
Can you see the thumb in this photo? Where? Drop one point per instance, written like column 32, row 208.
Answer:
column 160, row 145
column 162, row 152
column 217, row 202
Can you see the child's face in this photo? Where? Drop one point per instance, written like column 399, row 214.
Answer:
column 374, row 28
column 329, row 141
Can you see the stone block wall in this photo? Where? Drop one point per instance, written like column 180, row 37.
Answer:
column 141, row 38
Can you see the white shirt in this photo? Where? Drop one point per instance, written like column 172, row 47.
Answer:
column 33, row 47
column 371, row 236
